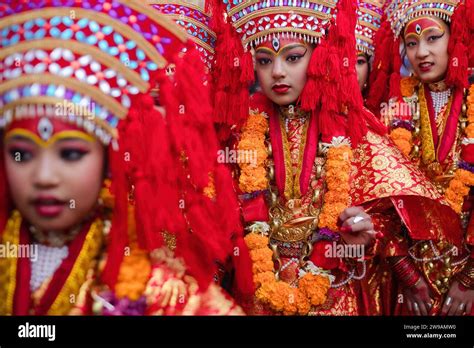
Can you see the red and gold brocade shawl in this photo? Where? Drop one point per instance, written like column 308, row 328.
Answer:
column 380, row 171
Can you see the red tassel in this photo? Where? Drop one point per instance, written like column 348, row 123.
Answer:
column 395, row 78
column 382, row 67
column 244, row 289
column 468, row 153
column 232, row 72
column 340, row 80
column 457, row 75
column 118, row 236
column 311, row 95
column 469, row 18
column 177, row 157
column 4, row 195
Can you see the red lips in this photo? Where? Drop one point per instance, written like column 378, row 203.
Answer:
column 48, row 206
column 425, row 66
column 280, row 88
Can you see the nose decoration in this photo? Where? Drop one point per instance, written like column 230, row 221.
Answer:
column 45, row 128
column 276, row 44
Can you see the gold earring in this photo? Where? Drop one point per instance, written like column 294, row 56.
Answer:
column 106, row 199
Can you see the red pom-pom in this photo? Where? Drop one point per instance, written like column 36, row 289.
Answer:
column 319, row 258
column 468, row 153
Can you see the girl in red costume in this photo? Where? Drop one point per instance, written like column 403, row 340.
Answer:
column 429, row 114
column 113, row 206
column 317, row 179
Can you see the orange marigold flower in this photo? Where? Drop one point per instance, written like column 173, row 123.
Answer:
column 401, row 133
column 458, row 187
column 407, row 86
column 291, row 307
column 330, row 214
column 335, row 197
column 337, row 165
column 470, row 130
column 262, row 266
column 465, row 176
column 456, row 206
column 340, row 153
column 248, row 143
column 263, row 277
column 256, row 241
column 133, row 275
column 302, row 303
column 315, row 287
column 404, row 146
column 336, row 184
column 262, row 254
column 451, row 195
column 256, row 122
column 253, row 179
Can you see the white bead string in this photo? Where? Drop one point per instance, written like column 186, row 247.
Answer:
column 286, row 265
column 427, row 259
column 351, row 276
column 440, row 99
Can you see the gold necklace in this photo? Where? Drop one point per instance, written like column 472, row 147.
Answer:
column 54, row 238
column 439, row 86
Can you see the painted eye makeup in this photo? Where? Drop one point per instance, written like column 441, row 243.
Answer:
column 72, row 151
column 263, row 61
column 435, row 37
column 294, row 57
column 20, row 154
column 72, row 155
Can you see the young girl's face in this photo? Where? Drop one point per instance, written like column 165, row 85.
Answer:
column 281, row 66
column 362, row 68
column 54, row 172
column 426, row 43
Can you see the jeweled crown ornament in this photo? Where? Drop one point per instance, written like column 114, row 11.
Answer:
column 369, row 16
column 400, row 12
column 58, row 57
column 258, row 21
column 193, row 16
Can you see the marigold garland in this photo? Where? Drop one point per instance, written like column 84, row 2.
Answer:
column 469, row 131
column 338, row 166
column 279, row 295
column 253, row 176
column 312, row 288
column 407, row 86
column 135, row 269
column 403, row 139
column 463, row 179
